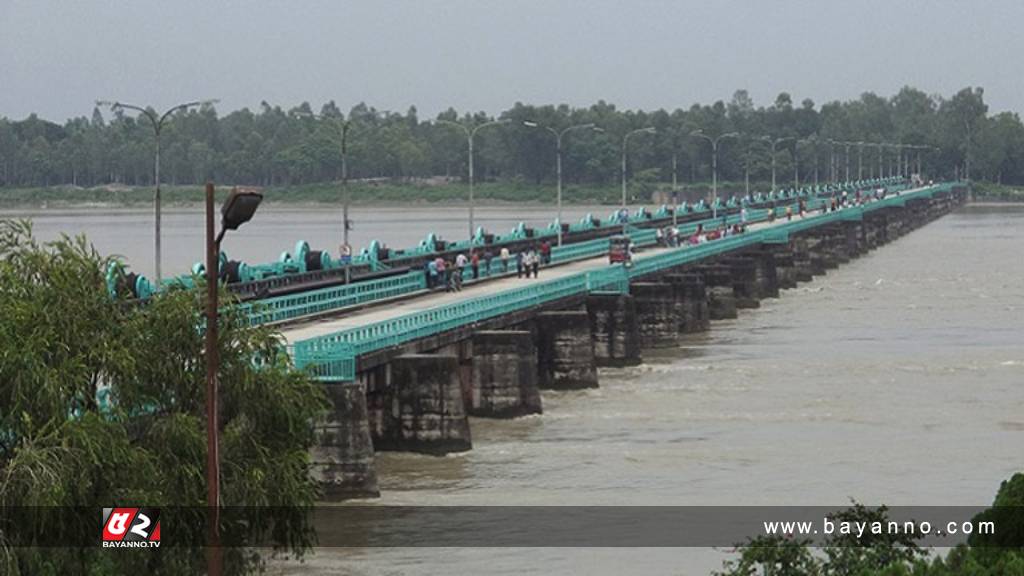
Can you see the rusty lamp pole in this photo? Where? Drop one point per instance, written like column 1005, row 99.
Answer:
column 237, row 210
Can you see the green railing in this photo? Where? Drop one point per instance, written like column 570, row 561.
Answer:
column 292, row 306
column 332, row 356
column 280, row 308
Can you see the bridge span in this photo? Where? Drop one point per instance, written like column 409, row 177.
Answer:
column 405, row 374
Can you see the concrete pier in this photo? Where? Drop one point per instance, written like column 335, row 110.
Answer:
column 691, row 302
column 785, row 268
column 767, row 276
column 420, row 406
column 614, row 329
column 744, row 281
column 802, row 263
column 342, row 458
column 656, row 313
column 565, row 351
column 504, row 375
column 719, row 288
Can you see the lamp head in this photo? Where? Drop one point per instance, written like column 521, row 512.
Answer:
column 240, row 207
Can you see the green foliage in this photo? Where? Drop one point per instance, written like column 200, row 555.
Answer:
column 64, row 343
column 849, row 555
column 1001, row 192
column 774, row 556
column 1001, row 554
column 273, row 147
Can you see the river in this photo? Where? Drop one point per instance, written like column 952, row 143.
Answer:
column 128, row 233
column 896, row 379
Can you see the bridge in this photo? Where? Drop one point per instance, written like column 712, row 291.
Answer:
column 405, row 366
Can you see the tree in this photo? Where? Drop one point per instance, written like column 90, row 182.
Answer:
column 103, row 403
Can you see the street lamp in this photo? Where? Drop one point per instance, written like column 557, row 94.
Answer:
column 774, row 142
column 860, row 160
column 237, row 210
column 714, row 164
column 470, row 134
column 796, row 160
column 832, row 169
column 847, row 145
column 343, row 128
column 625, row 140
column 158, row 125
column 558, row 142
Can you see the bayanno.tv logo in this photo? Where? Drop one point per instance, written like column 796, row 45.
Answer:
column 131, row 527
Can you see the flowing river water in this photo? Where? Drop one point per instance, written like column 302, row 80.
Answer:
column 896, row 379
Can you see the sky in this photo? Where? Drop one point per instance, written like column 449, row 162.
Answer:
column 58, row 57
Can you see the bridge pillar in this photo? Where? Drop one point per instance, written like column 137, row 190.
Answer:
column 821, row 259
column 785, row 268
column 854, row 236
column 802, row 261
column 614, row 329
column 691, row 302
column 656, row 313
column 744, row 281
column 767, row 274
column 872, row 232
column 834, row 247
column 504, row 380
column 721, row 294
column 420, row 406
column 565, row 352
column 342, row 457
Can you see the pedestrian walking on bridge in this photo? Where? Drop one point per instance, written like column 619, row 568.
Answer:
column 504, row 259
column 519, row 263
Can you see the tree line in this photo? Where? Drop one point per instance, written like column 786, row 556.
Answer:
column 276, row 147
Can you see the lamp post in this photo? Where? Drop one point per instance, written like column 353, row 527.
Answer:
column 796, row 160
column 343, row 129
column 625, row 140
column 860, row 160
column 470, row 135
column 814, row 140
column 237, row 210
column 881, row 163
column 832, row 170
column 157, row 121
column 774, row 142
column 847, row 145
column 558, row 164
column 967, row 152
column 714, row 164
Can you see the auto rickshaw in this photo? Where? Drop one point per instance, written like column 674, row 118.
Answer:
column 619, row 250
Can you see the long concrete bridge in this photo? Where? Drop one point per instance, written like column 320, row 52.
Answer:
column 405, row 372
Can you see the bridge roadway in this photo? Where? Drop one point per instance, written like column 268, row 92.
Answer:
column 395, row 309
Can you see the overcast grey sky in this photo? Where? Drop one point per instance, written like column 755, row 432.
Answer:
column 57, row 57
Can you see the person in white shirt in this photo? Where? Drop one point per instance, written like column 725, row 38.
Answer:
column 504, row 259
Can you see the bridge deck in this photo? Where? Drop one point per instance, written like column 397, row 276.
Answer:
column 320, row 327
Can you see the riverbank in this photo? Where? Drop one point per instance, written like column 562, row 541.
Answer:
column 362, row 193
column 991, row 192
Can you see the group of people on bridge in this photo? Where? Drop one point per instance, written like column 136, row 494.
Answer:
column 449, row 274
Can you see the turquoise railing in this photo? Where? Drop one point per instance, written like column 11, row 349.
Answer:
column 280, row 308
